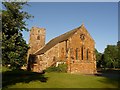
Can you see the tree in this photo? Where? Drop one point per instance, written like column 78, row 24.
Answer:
column 118, row 45
column 111, row 56
column 14, row 47
column 98, row 58
column 0, row 36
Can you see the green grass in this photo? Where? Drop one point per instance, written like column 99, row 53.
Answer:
column 4, row 69
column 25, row 79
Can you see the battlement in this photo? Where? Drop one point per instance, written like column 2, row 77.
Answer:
column 37, row 30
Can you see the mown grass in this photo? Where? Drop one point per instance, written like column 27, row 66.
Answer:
column 25, row 79
column 4, row 69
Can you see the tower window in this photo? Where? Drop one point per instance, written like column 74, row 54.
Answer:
column 38, row 37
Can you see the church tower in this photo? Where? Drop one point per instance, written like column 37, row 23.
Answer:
column 37, row 39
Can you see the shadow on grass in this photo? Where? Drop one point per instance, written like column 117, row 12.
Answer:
column 21, row 76
column 109, row 73
column 111, row 76
column 113, row 82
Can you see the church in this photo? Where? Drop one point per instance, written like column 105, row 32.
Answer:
column 76, row 48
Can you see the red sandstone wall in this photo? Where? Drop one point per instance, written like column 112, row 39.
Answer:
column 34, row 42
column 87, row 66
column 58, row 52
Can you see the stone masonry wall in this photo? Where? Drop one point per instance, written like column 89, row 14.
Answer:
column 70, row 51
column 53, row 55
column 37, row 39
column 88, row 64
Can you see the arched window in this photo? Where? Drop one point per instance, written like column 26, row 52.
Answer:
column 82, row 52
column 76, row 53
column 38, row 31
column 87, row 54
column 62, row 53
column 72, row 53
column 71, row 50
column 54, row 59
column 38, row 37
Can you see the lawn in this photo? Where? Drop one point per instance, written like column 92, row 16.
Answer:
column 25, row 79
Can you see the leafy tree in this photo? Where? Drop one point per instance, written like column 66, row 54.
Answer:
column 98, row 58
column 14, row 47
column 118, row 44
column 0, row 36
column 111, row 56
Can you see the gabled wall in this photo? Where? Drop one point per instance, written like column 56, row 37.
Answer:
column 79, row 47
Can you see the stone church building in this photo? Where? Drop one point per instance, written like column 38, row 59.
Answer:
column 76, row 48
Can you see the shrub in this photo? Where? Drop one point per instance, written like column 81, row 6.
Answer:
column 60, row 68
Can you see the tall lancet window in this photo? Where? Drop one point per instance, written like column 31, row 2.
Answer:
column 87, row 52
column 76, row 53
column 82, row 51
column 62, row 53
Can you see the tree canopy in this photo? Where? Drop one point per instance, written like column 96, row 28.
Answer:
column 110, row 58
column 14, row 47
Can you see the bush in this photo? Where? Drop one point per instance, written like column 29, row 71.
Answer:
column 60, row 68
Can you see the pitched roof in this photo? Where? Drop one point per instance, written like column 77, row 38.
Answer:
column 56, row 40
